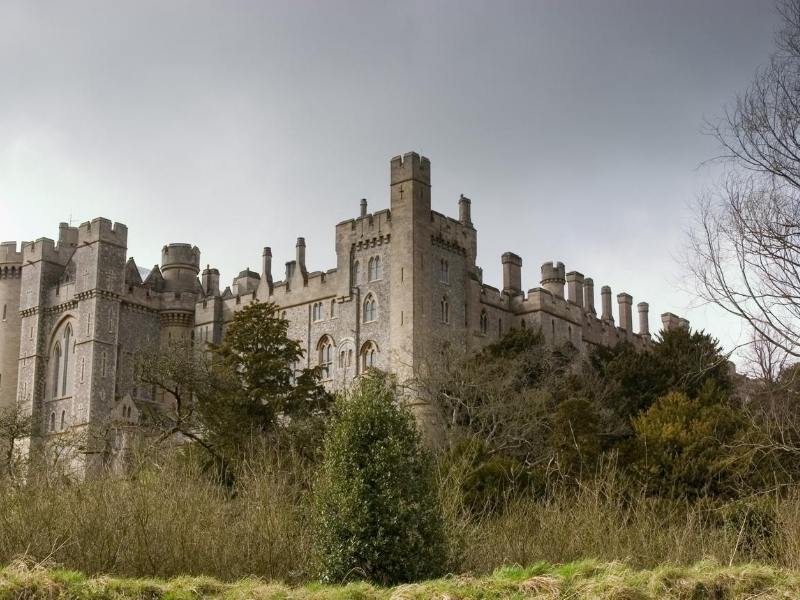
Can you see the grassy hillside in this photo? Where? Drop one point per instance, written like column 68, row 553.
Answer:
column 578, row 580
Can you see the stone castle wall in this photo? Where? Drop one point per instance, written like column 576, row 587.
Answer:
column 405, row 283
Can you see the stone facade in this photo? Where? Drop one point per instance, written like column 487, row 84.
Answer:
column 76, row 315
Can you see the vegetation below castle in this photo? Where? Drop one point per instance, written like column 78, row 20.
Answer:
column 543, row 454
column 586, row 579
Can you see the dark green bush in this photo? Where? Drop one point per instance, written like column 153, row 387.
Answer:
column 377, row 510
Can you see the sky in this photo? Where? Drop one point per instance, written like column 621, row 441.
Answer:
column 576, row 127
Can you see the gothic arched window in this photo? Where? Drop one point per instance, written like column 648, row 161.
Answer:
column 355, row 273
column 444, row 271
column 55, row 360
column 369, row 356
column 484, row 322
column 69, row 348
column 374, row 268
column 325, row 347
column 370, row 309
column 445, row 307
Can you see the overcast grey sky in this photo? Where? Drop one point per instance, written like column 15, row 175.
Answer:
column 574, row 126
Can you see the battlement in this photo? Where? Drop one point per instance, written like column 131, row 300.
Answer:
column 67, row 236
column 102, row 230
column 180, row 256
column 9, row 255
column 410, row 166
column 41, row 249
column 553, row 271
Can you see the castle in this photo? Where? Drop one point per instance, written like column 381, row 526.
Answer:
column 77, row 315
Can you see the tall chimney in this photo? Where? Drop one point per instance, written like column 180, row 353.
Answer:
column 363, row 207
column 512, row 273
column 670, row 321
column 575, row 287
column 625, row 302
column 464, row 210
column 605, row 295
column 300, row 253
column 588, row 295
column 266, row 265
column 644, row 320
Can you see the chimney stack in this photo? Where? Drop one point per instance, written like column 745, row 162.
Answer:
column 575, row 287
column 625, row 302
column 266, row 266
column 588, row 296
column 512, row 273
column 363, row 207
column 465, row 210
column 605, row 295
column 644, row 320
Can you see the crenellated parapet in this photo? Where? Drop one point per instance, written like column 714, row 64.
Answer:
column 9, row 255
column 410, row 167
column 102, row 230
column 554, row 278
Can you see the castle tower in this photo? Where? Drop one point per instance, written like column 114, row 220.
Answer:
column 180, row 264
column 410, row 180
column 47, row 267
column 10, row 285
column 554, row 278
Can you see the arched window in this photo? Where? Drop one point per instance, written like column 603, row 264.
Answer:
column 370, row 309
column 369, row 356
column 484, row 322
column 325, row 347
column 52, row 421
column 69, row 348
column 445, row 307
column 374, row 268
column 444, row 271
column 316, row 311
column 55, row 360
column 63, row 418
column 355, row 273
column 333, row 308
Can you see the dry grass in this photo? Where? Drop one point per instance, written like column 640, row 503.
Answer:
column 587, row 579
column 169, row 520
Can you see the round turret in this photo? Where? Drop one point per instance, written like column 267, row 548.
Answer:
column 180, row 264
column 554, row 278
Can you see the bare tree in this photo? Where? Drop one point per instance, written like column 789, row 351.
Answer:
column 765, row 361
column 178, row 374
column 14, row 427
column 745, row 250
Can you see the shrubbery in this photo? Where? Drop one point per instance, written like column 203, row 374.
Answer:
column 377, row 511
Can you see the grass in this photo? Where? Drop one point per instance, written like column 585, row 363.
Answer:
column 577, row 580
